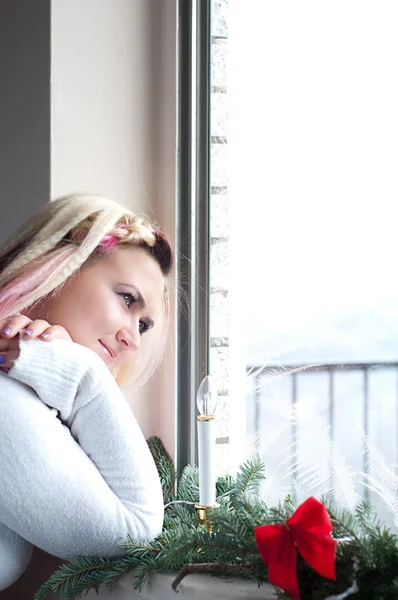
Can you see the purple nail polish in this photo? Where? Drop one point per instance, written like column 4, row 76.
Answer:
column 29, row 331
column 45, row 334
column 3, row 359
column 7, row 330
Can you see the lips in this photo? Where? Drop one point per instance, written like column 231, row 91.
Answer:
column 108, row 351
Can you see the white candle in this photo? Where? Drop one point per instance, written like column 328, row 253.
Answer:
column 207, row 474
column 206, row 401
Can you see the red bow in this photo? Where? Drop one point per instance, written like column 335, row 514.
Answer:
column 309, row 529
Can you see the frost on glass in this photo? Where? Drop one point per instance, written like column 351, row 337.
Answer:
column 219, row 114
column 219, row 53
column 304, row 302
column 219, row 164
column 219, row 17
column 219, row 224
column 219, row 263
column 219, row 307
column 219, row 227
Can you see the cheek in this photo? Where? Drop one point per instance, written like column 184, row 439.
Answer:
column 87, row 317
column 78, row 322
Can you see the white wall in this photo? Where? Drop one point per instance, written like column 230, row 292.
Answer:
column 113, row 105
column 113, row 128
column 164, row 385
column 103, row 79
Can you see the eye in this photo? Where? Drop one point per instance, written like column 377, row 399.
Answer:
column 143, row 327
column 128, row 298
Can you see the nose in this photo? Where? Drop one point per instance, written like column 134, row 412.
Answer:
column 130, row 337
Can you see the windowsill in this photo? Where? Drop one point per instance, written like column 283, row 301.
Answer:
column 194, row 587
column 197, row 586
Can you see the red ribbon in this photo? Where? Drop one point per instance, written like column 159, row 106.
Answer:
column 308, row 530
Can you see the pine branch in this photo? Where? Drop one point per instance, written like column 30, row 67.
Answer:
column 225, row 485
column 83, row 574
column 347, row 521
column 368, row 552
column 133, row 548
column 164, row 465
column 205, row 568
column 249, row 476
column 188, row 484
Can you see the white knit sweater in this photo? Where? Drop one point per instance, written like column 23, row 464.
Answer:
column 76, row 475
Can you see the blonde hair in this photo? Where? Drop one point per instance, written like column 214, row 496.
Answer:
column 62, row 237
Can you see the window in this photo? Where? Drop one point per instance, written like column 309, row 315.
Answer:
column 303, row 297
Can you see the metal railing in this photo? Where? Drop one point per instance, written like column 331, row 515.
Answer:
column 296, row 371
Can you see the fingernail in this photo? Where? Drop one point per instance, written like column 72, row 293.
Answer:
column 2, row 359
column 29, row 331
column 45, row 334
column 7, row 330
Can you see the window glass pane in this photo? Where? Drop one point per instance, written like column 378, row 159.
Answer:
column 304, row 302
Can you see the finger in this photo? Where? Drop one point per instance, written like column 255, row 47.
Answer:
column 55, row 332
column 12, row 344
column 4, row 344
column 13, row 326
column 7, row 359
column 36, row 328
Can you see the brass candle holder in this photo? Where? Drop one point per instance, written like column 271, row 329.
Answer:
column 202, row 512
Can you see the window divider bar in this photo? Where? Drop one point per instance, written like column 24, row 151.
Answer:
column 202, row 192
column 184, row 416
column 193, row 219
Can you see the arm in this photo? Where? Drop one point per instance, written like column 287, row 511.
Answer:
column 83, row 496
column 15, row 554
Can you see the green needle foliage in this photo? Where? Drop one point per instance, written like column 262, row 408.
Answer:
column 226, row 546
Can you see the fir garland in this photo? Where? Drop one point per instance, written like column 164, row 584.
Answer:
column 367, row 561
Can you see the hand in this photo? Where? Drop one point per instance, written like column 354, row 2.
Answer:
column 9, row 340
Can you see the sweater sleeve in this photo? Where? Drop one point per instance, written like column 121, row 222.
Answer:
column 92, row 480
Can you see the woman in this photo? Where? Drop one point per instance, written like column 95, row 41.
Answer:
column 83, row 300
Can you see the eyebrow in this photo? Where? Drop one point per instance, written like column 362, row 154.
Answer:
column 141, row 302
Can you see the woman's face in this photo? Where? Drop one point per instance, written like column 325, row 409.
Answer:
column 109, row 304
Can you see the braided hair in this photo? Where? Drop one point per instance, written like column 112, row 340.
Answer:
column 66, row 235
